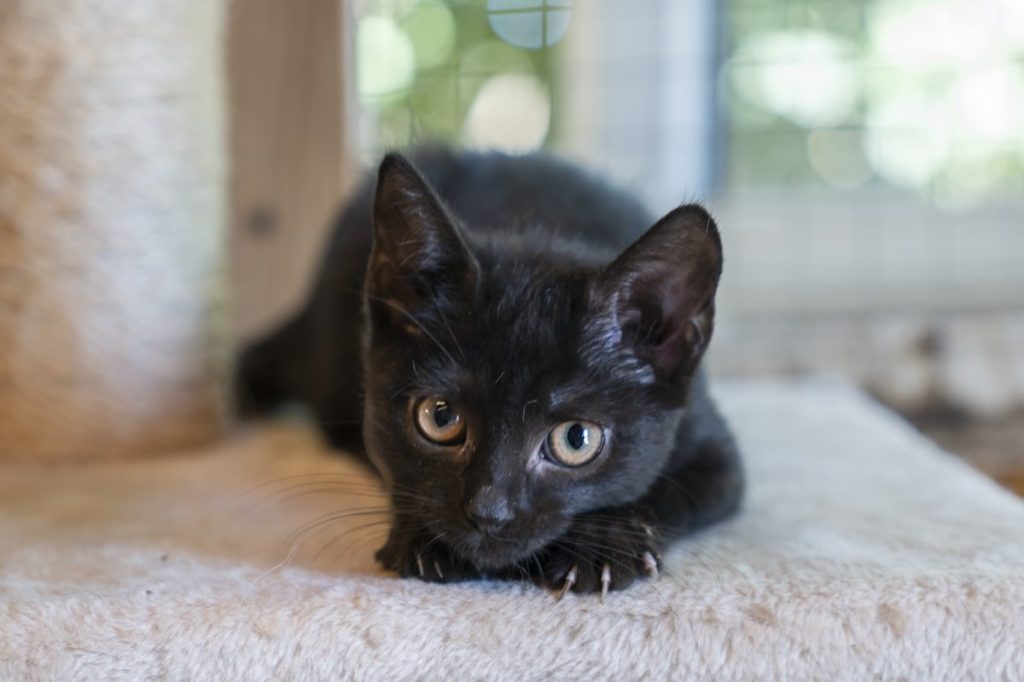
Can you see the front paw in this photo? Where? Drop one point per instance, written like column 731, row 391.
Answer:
column 601, row 552
column 424, row 558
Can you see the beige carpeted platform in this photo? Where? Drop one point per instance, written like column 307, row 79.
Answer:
column 863, row 553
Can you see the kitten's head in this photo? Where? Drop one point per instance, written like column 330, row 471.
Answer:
column 508, row 391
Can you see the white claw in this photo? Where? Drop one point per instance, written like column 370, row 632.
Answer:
column 570, row 580
column 650, row 565
column 437, row 567
column 647, row 529
column 419, row 565
column 606, row 580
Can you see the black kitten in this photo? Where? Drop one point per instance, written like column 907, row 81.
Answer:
column 524, row 379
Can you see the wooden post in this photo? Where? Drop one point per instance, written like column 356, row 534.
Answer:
column 290, row 156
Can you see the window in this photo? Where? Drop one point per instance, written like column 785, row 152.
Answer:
column 861, row 156
column 476, row 73
column 875, row 156
column 918, row 96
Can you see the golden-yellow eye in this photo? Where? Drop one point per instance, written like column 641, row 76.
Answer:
column 575, row 443
column 439, row 422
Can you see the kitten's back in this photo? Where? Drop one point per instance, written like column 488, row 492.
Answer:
column 497, row 191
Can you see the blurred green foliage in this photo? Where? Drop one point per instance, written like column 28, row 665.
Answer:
column 925, row 96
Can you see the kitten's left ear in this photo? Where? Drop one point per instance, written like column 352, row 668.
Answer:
column 659, row 295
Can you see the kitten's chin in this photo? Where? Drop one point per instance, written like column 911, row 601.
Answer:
column 492, row 553
column 489, row 554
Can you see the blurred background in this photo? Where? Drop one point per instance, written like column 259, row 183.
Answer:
column 865, row 161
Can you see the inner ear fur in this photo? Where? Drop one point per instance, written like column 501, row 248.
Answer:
column 660, row 292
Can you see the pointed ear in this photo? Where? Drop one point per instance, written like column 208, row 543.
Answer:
column 658, row 297
column 418, row 250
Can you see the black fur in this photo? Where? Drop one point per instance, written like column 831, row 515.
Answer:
column 516, row 287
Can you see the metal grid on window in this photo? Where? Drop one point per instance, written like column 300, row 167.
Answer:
column 827, row 205
column 920, row 96
column 860, row 177
column 501, row 51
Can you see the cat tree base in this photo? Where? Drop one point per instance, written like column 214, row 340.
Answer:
column 863, row 552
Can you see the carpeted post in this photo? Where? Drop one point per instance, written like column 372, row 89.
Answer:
column 112, row 186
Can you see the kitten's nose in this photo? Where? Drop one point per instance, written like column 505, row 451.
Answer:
column 488, row 510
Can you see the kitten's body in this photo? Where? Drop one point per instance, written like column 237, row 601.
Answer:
column 513, row 311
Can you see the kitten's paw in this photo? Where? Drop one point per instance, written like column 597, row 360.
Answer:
column 426, row 559
column 601, row 553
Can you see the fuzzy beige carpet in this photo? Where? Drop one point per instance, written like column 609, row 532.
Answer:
column 863, row 552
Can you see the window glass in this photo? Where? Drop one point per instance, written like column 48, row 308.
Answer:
column 921, row 96
column 478, row 73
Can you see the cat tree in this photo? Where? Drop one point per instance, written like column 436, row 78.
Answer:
column 863, row 551
column 112, row 185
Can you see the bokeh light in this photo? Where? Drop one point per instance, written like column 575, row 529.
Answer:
column 485, row 59
column 907, row 139
column 441, row 71
column 806, row 76
column 511, row 112
column 987, row 107
column 931, row 90
column 837, row 156
column 430, row 27
column 385, row 58
column 532, row 24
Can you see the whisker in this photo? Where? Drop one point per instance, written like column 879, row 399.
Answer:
column 321, row 474
column 349, row 531
column 415, row 321
column 331, row 518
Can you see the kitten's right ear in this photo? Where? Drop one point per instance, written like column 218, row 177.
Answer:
column 418, row 250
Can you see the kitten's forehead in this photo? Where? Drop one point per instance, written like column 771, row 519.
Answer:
column 524, row 308
column 524, row 323
column 523, row 343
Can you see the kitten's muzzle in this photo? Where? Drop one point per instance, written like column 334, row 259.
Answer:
column 488, row 511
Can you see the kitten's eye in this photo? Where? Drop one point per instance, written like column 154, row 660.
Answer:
column 575, row 443
column 439, row 422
